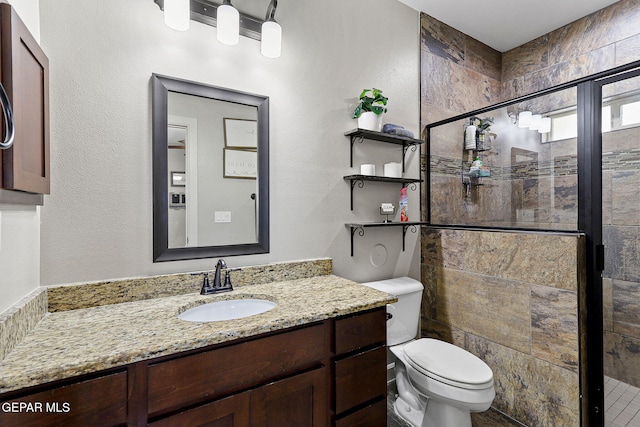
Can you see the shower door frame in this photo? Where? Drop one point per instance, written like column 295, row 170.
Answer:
column 590, row 221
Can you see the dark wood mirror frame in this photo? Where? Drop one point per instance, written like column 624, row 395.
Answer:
column 160, row 88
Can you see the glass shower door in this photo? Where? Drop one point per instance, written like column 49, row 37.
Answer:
column 621, row 238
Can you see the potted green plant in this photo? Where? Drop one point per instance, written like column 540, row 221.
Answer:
column 370, row 109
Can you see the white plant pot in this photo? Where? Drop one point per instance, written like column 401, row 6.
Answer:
column 370, row 121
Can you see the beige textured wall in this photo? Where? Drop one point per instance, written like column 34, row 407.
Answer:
column 97, row 222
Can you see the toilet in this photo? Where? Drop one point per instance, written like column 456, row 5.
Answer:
column 439, row 384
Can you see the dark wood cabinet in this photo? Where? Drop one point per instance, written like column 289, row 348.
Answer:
column 232, row 411
column 24, row 71
column 360, row 376
column 300, row 401
column 96, row 402
column 326, row 373
column 374, row 415
column 192, row 379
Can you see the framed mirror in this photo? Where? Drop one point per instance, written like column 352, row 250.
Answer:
column 210, row 171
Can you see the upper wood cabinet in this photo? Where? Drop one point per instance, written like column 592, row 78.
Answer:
column 24, row 71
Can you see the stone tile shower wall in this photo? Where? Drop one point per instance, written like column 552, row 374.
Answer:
column 479, row 283
column 511, row 299
column 597, row 42
column 621, row 235
column 459, row 74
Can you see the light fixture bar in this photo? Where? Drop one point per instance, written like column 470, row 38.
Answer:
column 204, row 11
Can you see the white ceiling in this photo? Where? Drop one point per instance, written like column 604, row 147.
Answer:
column 505, row 24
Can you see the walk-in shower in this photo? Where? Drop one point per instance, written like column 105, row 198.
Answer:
column 577, row 176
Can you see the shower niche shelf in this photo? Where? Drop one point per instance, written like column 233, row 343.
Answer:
column 474, row 180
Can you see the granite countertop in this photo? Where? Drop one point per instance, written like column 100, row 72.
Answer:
column 70, row 343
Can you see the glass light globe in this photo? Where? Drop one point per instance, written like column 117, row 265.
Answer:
column 177, row 14
column 271, row 46
column 228, row 23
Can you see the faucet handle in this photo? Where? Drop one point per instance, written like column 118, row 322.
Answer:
column 205, row 284
column 227, row 277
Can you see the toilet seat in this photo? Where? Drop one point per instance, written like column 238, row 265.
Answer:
column 448, row 364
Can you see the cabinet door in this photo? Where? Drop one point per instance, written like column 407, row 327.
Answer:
column 232, row 411
column 300, row 401
column 97, row 402
column 360, row 378
column 25, row 77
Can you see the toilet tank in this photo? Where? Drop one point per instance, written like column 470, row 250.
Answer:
column 405, row 314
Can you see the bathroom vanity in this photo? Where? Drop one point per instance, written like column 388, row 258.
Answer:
column 317, row 359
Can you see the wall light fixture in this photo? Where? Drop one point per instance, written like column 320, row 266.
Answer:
column 230, row 22
column 527, row 120
column 535, row 122
column 524, row 119
column 271, row 45
column 545, row 125
column 176, row 14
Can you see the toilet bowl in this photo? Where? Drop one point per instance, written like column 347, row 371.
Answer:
column 439, row 384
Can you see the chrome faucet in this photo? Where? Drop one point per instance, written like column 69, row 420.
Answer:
column 217, row 284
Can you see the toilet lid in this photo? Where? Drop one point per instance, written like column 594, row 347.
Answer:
column 448, row 363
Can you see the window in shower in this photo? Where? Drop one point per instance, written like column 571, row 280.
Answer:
column 618, row 112
column 525, row 182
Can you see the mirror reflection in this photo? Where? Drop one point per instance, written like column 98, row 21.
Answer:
column 214, row 143
column 211, row 160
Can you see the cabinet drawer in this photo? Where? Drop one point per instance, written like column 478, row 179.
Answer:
column 98, row 402
column 232, row 411
column 204, row 376
column 360, row 331
column 360, row 378
column 374, row 415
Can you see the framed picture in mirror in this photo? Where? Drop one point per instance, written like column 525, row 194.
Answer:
column 178, row 179
column 240, row 163
column 240, row 133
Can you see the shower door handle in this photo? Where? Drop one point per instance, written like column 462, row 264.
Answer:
column 600, row 257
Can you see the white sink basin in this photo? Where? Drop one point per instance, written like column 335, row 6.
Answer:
column 227, row 310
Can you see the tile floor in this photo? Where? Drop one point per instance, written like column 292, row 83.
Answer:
column 622, row 404
column 490, row 418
